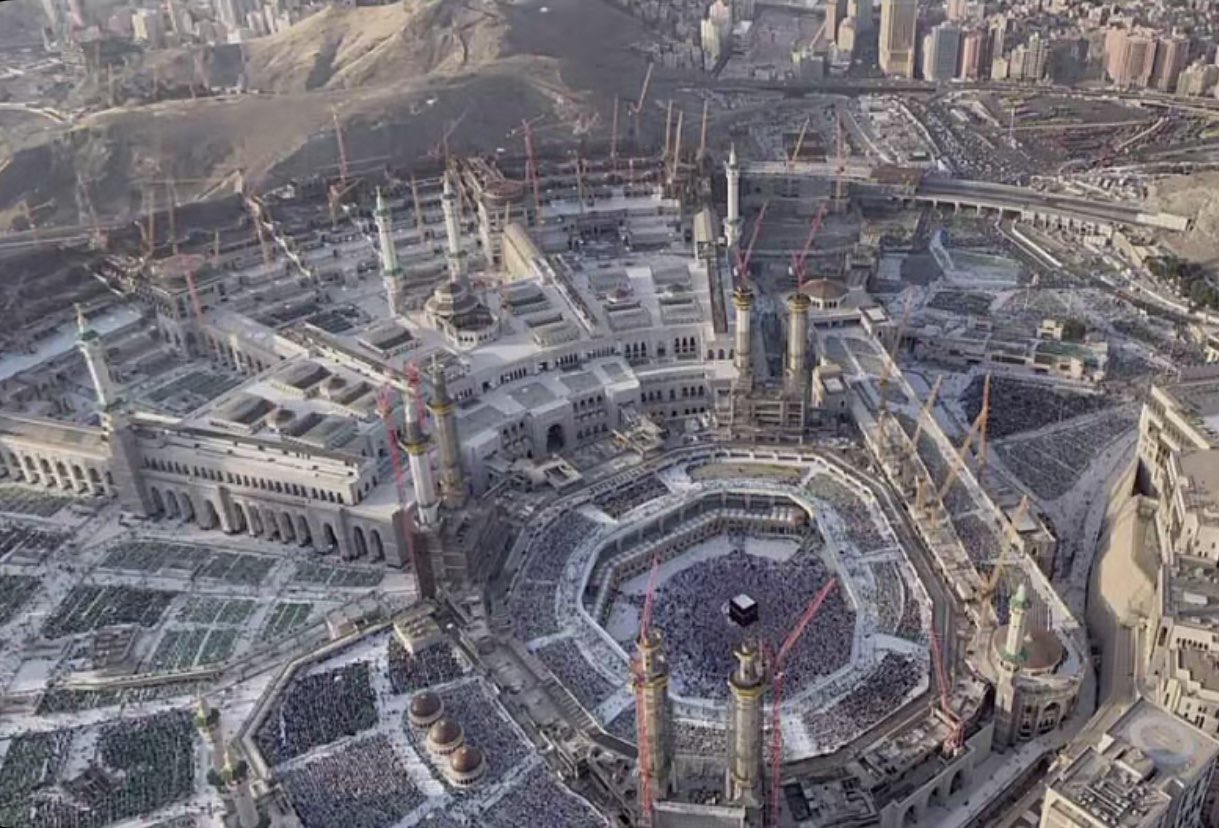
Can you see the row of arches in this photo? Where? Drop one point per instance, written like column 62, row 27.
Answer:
column 56, row 473
column 266, row 484
column 263, row 521
column 948, row 787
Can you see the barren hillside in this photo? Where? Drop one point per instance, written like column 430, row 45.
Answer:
column 398, row 77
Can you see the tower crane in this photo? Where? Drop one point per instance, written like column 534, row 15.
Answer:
column 643, row 97
column 928, row 407
column 956, row 727
column 531, row 172
column 742, row 259
column 958, row 459
column 887, row 372
column 800, row 141
column 638, row 678
column 614, row 138
column 1013, row 535
column 776, row 706
column 799, row 259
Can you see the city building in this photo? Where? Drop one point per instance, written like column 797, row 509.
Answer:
column 973, row 49
column 1198, row 79
column 148, row 26
column 1147, row 770
column 1170, row 57
column 941, row 52
column 898, row 27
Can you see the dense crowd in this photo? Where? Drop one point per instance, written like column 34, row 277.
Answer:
column 88, row 608
column 540, row 801
column 15, row 591
column 855, row 514
column 317, row 709
column 433, row 665
column 890, row 597
column 485, row 726
column 144, row 765
column 363, row 785
column 616, row 502
column 1051, row 464
column 980, row 539
column 701, row 740
column 571, row 668
column 881, row 693
column 550, row 551
column 700, row 638
column 1017, row 406
column 531, row 609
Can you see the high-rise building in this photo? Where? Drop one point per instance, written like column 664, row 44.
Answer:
column 898, row 23
column 941, row 51
column 1171, row 54
column 1198, row 79
column 1033, row 61
column 835, row 13
column 958, row 10
column 1130, row 58
column 148, row 27
column 861, row 10
column 996, row 46
column 973, row 45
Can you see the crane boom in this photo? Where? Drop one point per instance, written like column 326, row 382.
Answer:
column 743, row 259
column 800, row 140
column 928, row 407
column 813, row 229
column 776, row 708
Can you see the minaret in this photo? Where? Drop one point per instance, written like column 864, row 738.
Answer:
column 1017, row 627
column 236, row 776
column 652, row 696
column 421, row 467
column 391, row 273
column 452, row 484
column 94, row 351
column 207, row 720
column 746, row 686
column 456, row 256
column 732, row 226
column 797, row 346
column 1011, row 659
column 742, row 300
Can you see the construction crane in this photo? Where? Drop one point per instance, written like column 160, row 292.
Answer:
column 928, row 407
column 887, row 371
column 643, row 97
column 668, row 134
column 984, row 417
column 742, row 259
column 171, row 195
column 1013, row 536
column 956, row 727
column 800, row 140
column 614, row 138
column 150, row 237
column 841, row 166
column 194, row 294
column 531, row 173
column 341, row 144
column 799, row 258
column 638, row 679
column 776, row 705
column 958, row 459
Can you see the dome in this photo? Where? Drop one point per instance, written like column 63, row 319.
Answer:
column 445, row 736
column 466, row 760
column 619, row 294
column 824, row 290
column 466, row 766
column 336, row 383
column 282, row 416
column 425, row 709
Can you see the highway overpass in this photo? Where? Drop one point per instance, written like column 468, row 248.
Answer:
column 1037, row 206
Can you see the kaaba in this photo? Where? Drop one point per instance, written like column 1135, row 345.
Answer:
column 743, row 610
